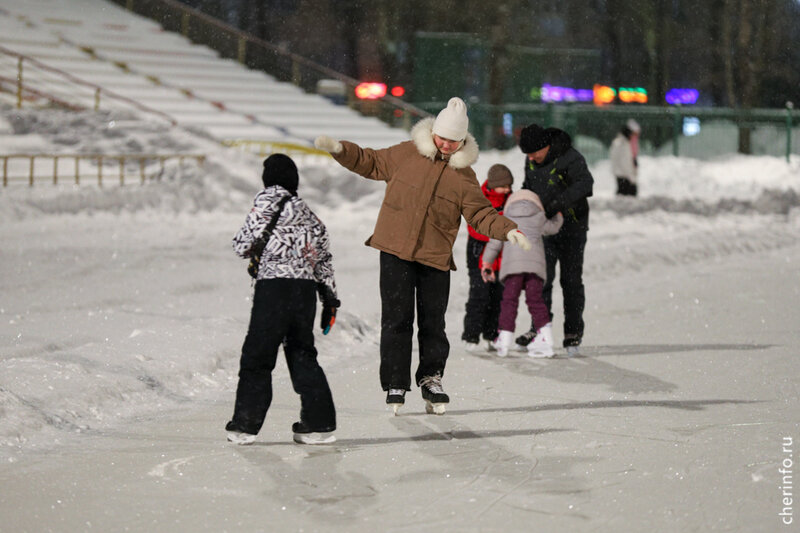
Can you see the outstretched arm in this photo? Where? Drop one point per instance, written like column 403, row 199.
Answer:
column 369, row 163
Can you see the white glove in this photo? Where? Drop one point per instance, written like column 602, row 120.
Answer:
column 515, row 236
column 323, row 142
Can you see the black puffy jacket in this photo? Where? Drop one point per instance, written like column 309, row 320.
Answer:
column 562, row 181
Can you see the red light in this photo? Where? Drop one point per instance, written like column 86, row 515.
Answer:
column 370, row 90
column 398, row 91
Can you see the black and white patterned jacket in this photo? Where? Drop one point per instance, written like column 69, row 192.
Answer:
column 299, row 245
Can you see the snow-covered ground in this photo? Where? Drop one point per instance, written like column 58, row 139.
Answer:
column 123, row 310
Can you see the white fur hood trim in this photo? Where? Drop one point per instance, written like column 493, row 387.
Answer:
column 422, row 136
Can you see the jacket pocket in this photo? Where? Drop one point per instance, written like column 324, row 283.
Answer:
column 444, row 212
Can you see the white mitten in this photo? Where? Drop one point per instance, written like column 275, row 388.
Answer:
column 323, row 142
column 515, row 236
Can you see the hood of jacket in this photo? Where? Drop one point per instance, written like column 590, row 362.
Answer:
column 560, row 142
column 422, row 136
column 523, row 195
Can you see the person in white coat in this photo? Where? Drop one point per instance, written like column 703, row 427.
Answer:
column 623, row 154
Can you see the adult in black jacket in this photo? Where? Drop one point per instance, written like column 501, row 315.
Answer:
column 557, row 172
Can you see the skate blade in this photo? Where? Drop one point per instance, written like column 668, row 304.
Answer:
column 314, row 438
column 542, row 355
column 396, row 407
column 435, row 408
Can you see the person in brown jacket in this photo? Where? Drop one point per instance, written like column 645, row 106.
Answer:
column 430, row 185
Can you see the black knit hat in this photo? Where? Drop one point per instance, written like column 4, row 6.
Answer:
column 533, row 138
column 279, row 169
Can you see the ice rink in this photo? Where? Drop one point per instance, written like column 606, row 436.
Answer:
column 123, row 312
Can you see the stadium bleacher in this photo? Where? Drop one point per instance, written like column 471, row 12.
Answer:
column 100, row 43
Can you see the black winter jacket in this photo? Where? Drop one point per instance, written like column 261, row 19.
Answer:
column 562, row 181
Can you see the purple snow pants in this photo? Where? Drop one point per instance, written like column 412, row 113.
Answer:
column 513, row 286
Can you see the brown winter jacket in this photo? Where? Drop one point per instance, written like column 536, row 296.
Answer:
column 425, row 197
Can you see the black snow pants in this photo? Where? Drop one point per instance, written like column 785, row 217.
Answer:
column 404, row 285
column 283, row 313
column 483, row 302
column 566, row 249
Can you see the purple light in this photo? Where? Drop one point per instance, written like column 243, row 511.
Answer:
column 682, row 96
column 552, row 93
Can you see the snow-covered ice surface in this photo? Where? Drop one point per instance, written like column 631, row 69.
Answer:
column 123, row 310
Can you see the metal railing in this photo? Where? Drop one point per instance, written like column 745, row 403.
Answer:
column 39, row 80
column 74, row 168
column 266, row 148
column 769, row 131
column 261, row 55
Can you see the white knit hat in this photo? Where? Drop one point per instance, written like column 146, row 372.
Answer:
column 633, row 126
column 452, row 121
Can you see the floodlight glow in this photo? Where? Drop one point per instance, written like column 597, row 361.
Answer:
column 553, row 93
column 508, row 124
column 603, row 95
column 691, row 126
column 370, row 90
column 633, row 95
column 682, row 96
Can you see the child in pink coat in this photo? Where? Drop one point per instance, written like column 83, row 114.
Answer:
column 523, row 270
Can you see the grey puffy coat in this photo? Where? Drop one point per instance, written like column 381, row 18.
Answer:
column 524, row 208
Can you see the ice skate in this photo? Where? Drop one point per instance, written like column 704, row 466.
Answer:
column 304, row 435
column 472, row 347
column 542, row 344
column 433, row 394
column 572, row 344
column 503, row 342
column 237, row 436
column 396, row 398
column 240, row 438
column 521, row 343
column 573, row 351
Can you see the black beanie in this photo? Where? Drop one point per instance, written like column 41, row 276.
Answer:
column 279, row 169
column 533, row 138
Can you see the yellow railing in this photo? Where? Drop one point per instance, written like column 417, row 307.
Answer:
column 117, row 167
column 265, row 148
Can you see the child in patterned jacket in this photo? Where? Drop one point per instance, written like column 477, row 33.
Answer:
column 295, row 267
